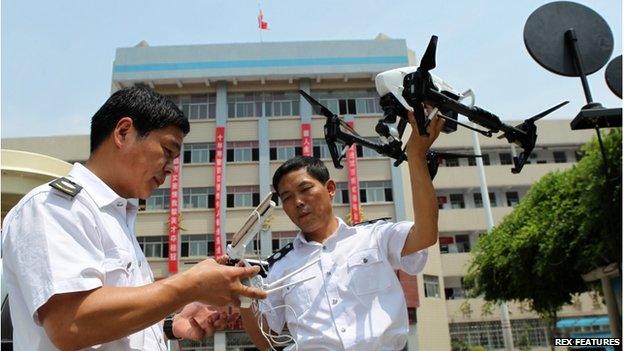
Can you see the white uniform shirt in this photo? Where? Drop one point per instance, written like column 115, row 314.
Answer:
column 355, row 301
column 53, row 244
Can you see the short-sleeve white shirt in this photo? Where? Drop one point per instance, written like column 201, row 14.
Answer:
column 355, row 300
column 53, row 243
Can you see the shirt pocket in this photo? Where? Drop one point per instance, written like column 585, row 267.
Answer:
column 119, row 267
column 366, row 272
column 296, row 296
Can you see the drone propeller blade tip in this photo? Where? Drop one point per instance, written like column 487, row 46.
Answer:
column 547, row 112
column 429, row 57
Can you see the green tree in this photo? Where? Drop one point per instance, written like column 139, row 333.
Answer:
column 568, row 224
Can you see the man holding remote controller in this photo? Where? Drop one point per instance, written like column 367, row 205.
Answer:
column 76, row 275
column 355, row 300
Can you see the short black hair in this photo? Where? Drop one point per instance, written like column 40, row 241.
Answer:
column 313, row 165
column 148, row 110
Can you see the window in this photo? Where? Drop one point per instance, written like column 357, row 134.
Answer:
column 242, row 151
column 281, row 104
column 512, row 198
column 462, row 242
column 432, row 285
column 505, row 158
column 352, row 102
column 243, row 196
column 283, row 150
column 154, row 246
column 276, row 104
column 346, row 106
column 159, row 200
column 320, row 149
column 375, row 191
column 197, row 245
column 578, row 155
column 451, row 162
column 200, row 197
column 197, row 106
column 485, row 157
column 446, row 242
column 441, row 201
column 342, row 193
column 367, row 105
column 243, row 105
column 199, row 153
column 560, row 157
column 281, row 239
column 479, row 201
column 457, row 201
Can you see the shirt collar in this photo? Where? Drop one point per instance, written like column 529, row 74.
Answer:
column 100, row 192
column 300, row 238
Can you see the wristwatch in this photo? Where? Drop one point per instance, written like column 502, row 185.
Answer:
column 168, row 329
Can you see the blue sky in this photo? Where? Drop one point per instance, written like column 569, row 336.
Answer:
column 57, row 56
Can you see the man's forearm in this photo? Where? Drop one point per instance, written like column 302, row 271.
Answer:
column 250, row 323
column 424, row 233
column 82, row 319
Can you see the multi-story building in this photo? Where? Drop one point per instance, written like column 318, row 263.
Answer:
column 248, row 94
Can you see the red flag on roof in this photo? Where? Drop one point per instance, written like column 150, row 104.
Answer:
column 262, row 24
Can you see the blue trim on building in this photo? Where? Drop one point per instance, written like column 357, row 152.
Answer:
column 322, row 61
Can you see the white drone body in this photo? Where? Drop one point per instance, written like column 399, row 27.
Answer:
column 391, row 82
column 236, row 250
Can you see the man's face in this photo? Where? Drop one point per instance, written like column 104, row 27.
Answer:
column 306, row 201
column 149, row 160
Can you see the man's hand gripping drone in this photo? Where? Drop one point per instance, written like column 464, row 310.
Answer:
column 407, row 89
column 236, row 251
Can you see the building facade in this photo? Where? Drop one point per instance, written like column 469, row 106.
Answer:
column 247, row 118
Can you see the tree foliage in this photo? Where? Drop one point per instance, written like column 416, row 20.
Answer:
column 568, row 224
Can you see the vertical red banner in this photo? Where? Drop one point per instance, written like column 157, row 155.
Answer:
column 219, row 137
column 174, row 216
column 306, row 139
column 354, row 185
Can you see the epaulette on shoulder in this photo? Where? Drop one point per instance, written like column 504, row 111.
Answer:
column 279, row 254
column 372, row 221
column 66, row 186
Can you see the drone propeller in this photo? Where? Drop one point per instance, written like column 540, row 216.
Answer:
column 318, row 108
column 428, row 61
column 543, row 114
column 322, row 110
column 533, row 119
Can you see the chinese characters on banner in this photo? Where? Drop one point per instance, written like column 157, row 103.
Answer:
column 174, row 216
column 354, row 186
column 306, row 139
column 219, row 137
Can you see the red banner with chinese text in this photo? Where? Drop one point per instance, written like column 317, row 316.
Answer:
column 354, row 186
column 219, row 137
column 306, row 139
column 174, row 216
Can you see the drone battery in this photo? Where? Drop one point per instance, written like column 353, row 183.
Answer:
column 449, row 126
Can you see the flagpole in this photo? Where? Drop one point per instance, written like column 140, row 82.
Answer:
column 259, row 26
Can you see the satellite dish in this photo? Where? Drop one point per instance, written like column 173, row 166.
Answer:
column 613, row 76
column 572, row 40
column 545, row 38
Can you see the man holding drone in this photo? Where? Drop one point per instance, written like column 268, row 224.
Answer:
column 349, row 298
